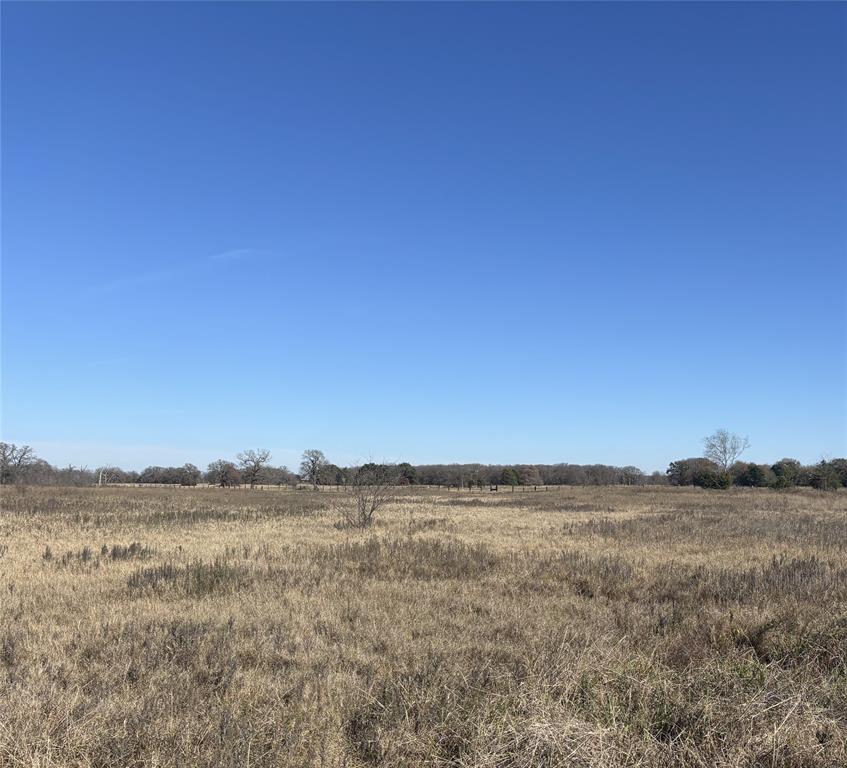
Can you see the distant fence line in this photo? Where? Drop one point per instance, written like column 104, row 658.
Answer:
column 340, row 488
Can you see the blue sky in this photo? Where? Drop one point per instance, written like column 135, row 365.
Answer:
column 497, row 233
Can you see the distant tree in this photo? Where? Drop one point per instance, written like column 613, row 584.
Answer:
column 752, row 476
column 78, row 476
column 824, row 476
column 151, row 474
column 331, row 474
column 694, row 471
column 600, row 474
column 39, row 472
column 738, row 472
column 223, row 473
column 787, row 472
column 724, row 448
column 407, row 475
column 631, row 476
column 312, row 465
column 252, row 463
column 657, row 478
column 430, row 474
column 509, row 476
column 764, row 477
column 278, row 476
column 676, row 472
column 570, row 474
column 805, row 477
column 529, row 475
column 189, row 475
column 107, row 475
column 839, row 466
column 709, row 478
column 163, row 475
column 14, row 461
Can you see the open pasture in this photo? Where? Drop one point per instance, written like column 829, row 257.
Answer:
column 575, row 627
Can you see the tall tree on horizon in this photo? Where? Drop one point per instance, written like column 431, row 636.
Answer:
column 312, row 465
column 724, row 448
column 252, row 463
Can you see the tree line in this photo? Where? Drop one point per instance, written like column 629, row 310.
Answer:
column 785, row 473
column 253, row 467
column 720, row 467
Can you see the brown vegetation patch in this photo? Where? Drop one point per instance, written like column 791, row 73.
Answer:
column 595, row 627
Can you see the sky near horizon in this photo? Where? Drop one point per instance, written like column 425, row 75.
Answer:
column 505, row 233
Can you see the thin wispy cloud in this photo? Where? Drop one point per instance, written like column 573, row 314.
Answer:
column 170, row 274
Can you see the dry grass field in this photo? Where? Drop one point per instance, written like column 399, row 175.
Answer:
column 576, row 627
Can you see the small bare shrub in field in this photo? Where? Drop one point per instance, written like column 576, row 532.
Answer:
column 371, row 488
column 579, row 627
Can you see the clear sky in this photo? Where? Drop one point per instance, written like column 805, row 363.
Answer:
column 497, row 233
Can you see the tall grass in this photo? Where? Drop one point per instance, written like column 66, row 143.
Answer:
column 581, row 627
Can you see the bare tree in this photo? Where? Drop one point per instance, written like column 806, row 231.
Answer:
column 189, row 475
column 251, row 463
column 106, row 475
column 371, row 487
column 14, row 461
column 529, row 475
column 278, row 476
column 724, row 448
column 312, row 466
column 630, row 475
column 223, row 473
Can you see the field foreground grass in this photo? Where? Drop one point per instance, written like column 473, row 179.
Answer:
column 576, row 627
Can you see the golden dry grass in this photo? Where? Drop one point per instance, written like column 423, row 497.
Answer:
column 577, row 627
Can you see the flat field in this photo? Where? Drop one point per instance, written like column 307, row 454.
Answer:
column 574, row 627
